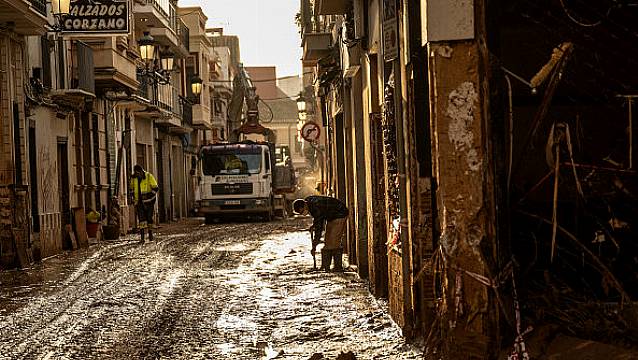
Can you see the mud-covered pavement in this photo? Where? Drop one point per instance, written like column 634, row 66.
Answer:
column 225, row 291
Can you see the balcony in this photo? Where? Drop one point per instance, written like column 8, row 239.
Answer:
column 187, row 113
column 184, row 35
column 168, row 100
column 217, row 112
column 202, row 116
column 79, row 67
column 28, row 17
column 351, row 60
column 330, row 7
column 148, row 95
column 160, row 18
column 315, row 46
column 163, row 105
column 113, row 69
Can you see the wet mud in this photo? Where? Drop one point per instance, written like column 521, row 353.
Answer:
column 223, row 291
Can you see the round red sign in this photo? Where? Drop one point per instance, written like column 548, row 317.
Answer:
column 311, row 131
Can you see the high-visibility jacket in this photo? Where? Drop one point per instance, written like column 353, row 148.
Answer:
column 147, row 185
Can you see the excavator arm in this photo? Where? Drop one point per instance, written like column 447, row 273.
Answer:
column 244, row 92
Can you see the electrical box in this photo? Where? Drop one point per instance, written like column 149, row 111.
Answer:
column 445, row 20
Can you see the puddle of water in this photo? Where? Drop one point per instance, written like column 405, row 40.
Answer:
column 235, row 323
column 172, row 281
column 238, row 247
column 227, row 348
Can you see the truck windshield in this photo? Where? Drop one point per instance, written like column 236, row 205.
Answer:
column 231, row 163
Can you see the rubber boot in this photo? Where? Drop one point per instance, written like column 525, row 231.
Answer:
column 326, row 259
column 142, row 236
column 337, row 254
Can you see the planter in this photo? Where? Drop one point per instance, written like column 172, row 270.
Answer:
column 91, row 229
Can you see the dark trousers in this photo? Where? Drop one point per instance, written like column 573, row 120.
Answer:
column 144, row 213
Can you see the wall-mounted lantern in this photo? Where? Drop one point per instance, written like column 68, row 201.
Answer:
column 60, row 7
column 196, row 85
column 301, row 104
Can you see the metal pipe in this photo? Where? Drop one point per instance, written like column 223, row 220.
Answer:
column 631, row 133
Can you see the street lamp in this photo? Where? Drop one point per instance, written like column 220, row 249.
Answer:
column 150, row 72
column 147, row 47
column 301, row 104
column 167, row 60
column 60, row 7
column 196, row 85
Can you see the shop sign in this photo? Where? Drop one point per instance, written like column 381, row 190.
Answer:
column 390, row 30
column 101, row 17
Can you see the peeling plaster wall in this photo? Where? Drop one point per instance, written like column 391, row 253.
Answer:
column 461, row 110
column 459, row 156
column 48, row 129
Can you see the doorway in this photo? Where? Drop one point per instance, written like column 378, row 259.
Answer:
column 63, row 181
column 33, row 179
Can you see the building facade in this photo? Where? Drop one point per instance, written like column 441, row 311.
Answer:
column 78, row 112
column 451, row 128
column 371, row 81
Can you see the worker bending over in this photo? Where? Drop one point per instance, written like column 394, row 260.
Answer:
column 334, row 213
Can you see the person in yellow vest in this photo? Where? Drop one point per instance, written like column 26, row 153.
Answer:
column 144, row 188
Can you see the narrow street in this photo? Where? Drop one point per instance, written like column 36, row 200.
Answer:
column 224, row 291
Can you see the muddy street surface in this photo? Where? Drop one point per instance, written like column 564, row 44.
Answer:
column 224, row 291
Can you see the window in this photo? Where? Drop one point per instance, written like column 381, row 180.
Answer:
column 267, row 161
column 231, row 162
column 46, row 62
column 140, row 155
column 218, row 107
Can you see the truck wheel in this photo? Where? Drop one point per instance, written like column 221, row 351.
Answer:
column 282, row 213
column 270, row 215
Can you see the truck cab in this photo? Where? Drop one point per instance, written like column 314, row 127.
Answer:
column 236, row 179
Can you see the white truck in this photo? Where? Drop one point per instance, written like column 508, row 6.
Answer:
column 244, row 178
column 240, row 180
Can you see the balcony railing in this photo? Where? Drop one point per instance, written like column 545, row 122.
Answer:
column 165, row 97
column 163, row 6
column 172, row 18
column 147, row 89
column 184, row 34
column 167, row 9
column 40, row 6
column 187, row 113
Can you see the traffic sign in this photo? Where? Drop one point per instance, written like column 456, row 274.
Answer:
column 311, row 131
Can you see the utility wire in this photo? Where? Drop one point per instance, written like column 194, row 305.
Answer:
column 266, row 80
column 578, row 22
column 272, row 114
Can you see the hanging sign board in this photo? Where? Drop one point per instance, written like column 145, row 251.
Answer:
column 98, row 17
column 390, row 30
